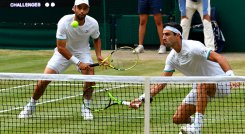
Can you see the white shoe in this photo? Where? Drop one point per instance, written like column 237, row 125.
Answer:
column 190, row 129
column 162, row 49
column 86, row 113
column 28, row 110
column 139, row 49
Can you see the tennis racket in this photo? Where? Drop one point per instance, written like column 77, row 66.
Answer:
column 121, row 59
column 103, row 98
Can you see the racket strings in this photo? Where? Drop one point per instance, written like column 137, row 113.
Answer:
column 100, row 100
column 123, row 59
column 106, row 95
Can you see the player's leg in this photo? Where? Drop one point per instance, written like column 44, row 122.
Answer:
column 186, row 21
column 42, row 84
column 87, row 96
column 187, row 108
column 183, row 114
column 207, row 27
column 87, row 90
column 55, row 65
column 203, row 91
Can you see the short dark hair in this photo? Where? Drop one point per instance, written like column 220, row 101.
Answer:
column 175, row 25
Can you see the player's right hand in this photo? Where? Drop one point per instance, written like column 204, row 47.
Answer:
column 135, row 104
column 84, row 66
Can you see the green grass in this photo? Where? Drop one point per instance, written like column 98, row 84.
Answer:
column 223, row 115
column 150, row 64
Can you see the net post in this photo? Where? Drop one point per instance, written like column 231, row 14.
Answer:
column 147, row 106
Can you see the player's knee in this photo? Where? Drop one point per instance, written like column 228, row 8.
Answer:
column 178, row 119
column 175, row 120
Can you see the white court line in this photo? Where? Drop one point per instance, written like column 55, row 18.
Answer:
column 49, row 101
column 5, row 89
column 16, row 87
column 54, row 100
column 116, row 117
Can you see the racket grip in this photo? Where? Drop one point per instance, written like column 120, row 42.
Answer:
column 95, row 64
column 126, row 103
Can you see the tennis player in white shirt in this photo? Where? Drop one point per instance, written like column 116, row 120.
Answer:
column 72, row 48
column 191, row 58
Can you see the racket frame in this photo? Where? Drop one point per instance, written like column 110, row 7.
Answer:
column 111, row 99
column 107, row 60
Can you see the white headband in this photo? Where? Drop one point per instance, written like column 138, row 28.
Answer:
column 172, row 29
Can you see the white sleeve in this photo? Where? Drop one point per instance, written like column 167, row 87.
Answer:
column 96, row 32
column 61, row 30
column 201, row 51
column 168, row 65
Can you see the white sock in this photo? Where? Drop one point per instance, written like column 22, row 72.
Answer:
column 86, row 102
column 198, row 119
column 192, row 119
column 32, row 100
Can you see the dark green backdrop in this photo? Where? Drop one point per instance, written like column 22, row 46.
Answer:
column 35, row 28
column 231, row 17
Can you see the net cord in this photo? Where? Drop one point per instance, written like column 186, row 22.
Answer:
column 129, row 79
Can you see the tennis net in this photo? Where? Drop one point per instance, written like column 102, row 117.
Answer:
column 59, row 109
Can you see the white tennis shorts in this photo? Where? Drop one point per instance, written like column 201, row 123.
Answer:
column 60, row 63
column 222, row 89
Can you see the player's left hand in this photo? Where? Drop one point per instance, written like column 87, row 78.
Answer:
column 103, row 64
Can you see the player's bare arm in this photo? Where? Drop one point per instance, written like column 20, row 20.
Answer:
column 61, row 45
column 215, row 57
column 97, row 47
column 224, row 65
column 155, row 89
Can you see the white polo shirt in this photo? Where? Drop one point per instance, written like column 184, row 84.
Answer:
column 77, row 38
column 192, row 60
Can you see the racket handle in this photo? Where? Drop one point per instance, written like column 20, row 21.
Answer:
column 126, row 103
column 95, row 64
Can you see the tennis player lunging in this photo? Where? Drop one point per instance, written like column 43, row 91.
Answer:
column 192, row 58
column 72, row 48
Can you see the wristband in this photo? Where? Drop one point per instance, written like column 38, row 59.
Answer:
column 142, row 98
column 75, row 60
column 229, row 73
